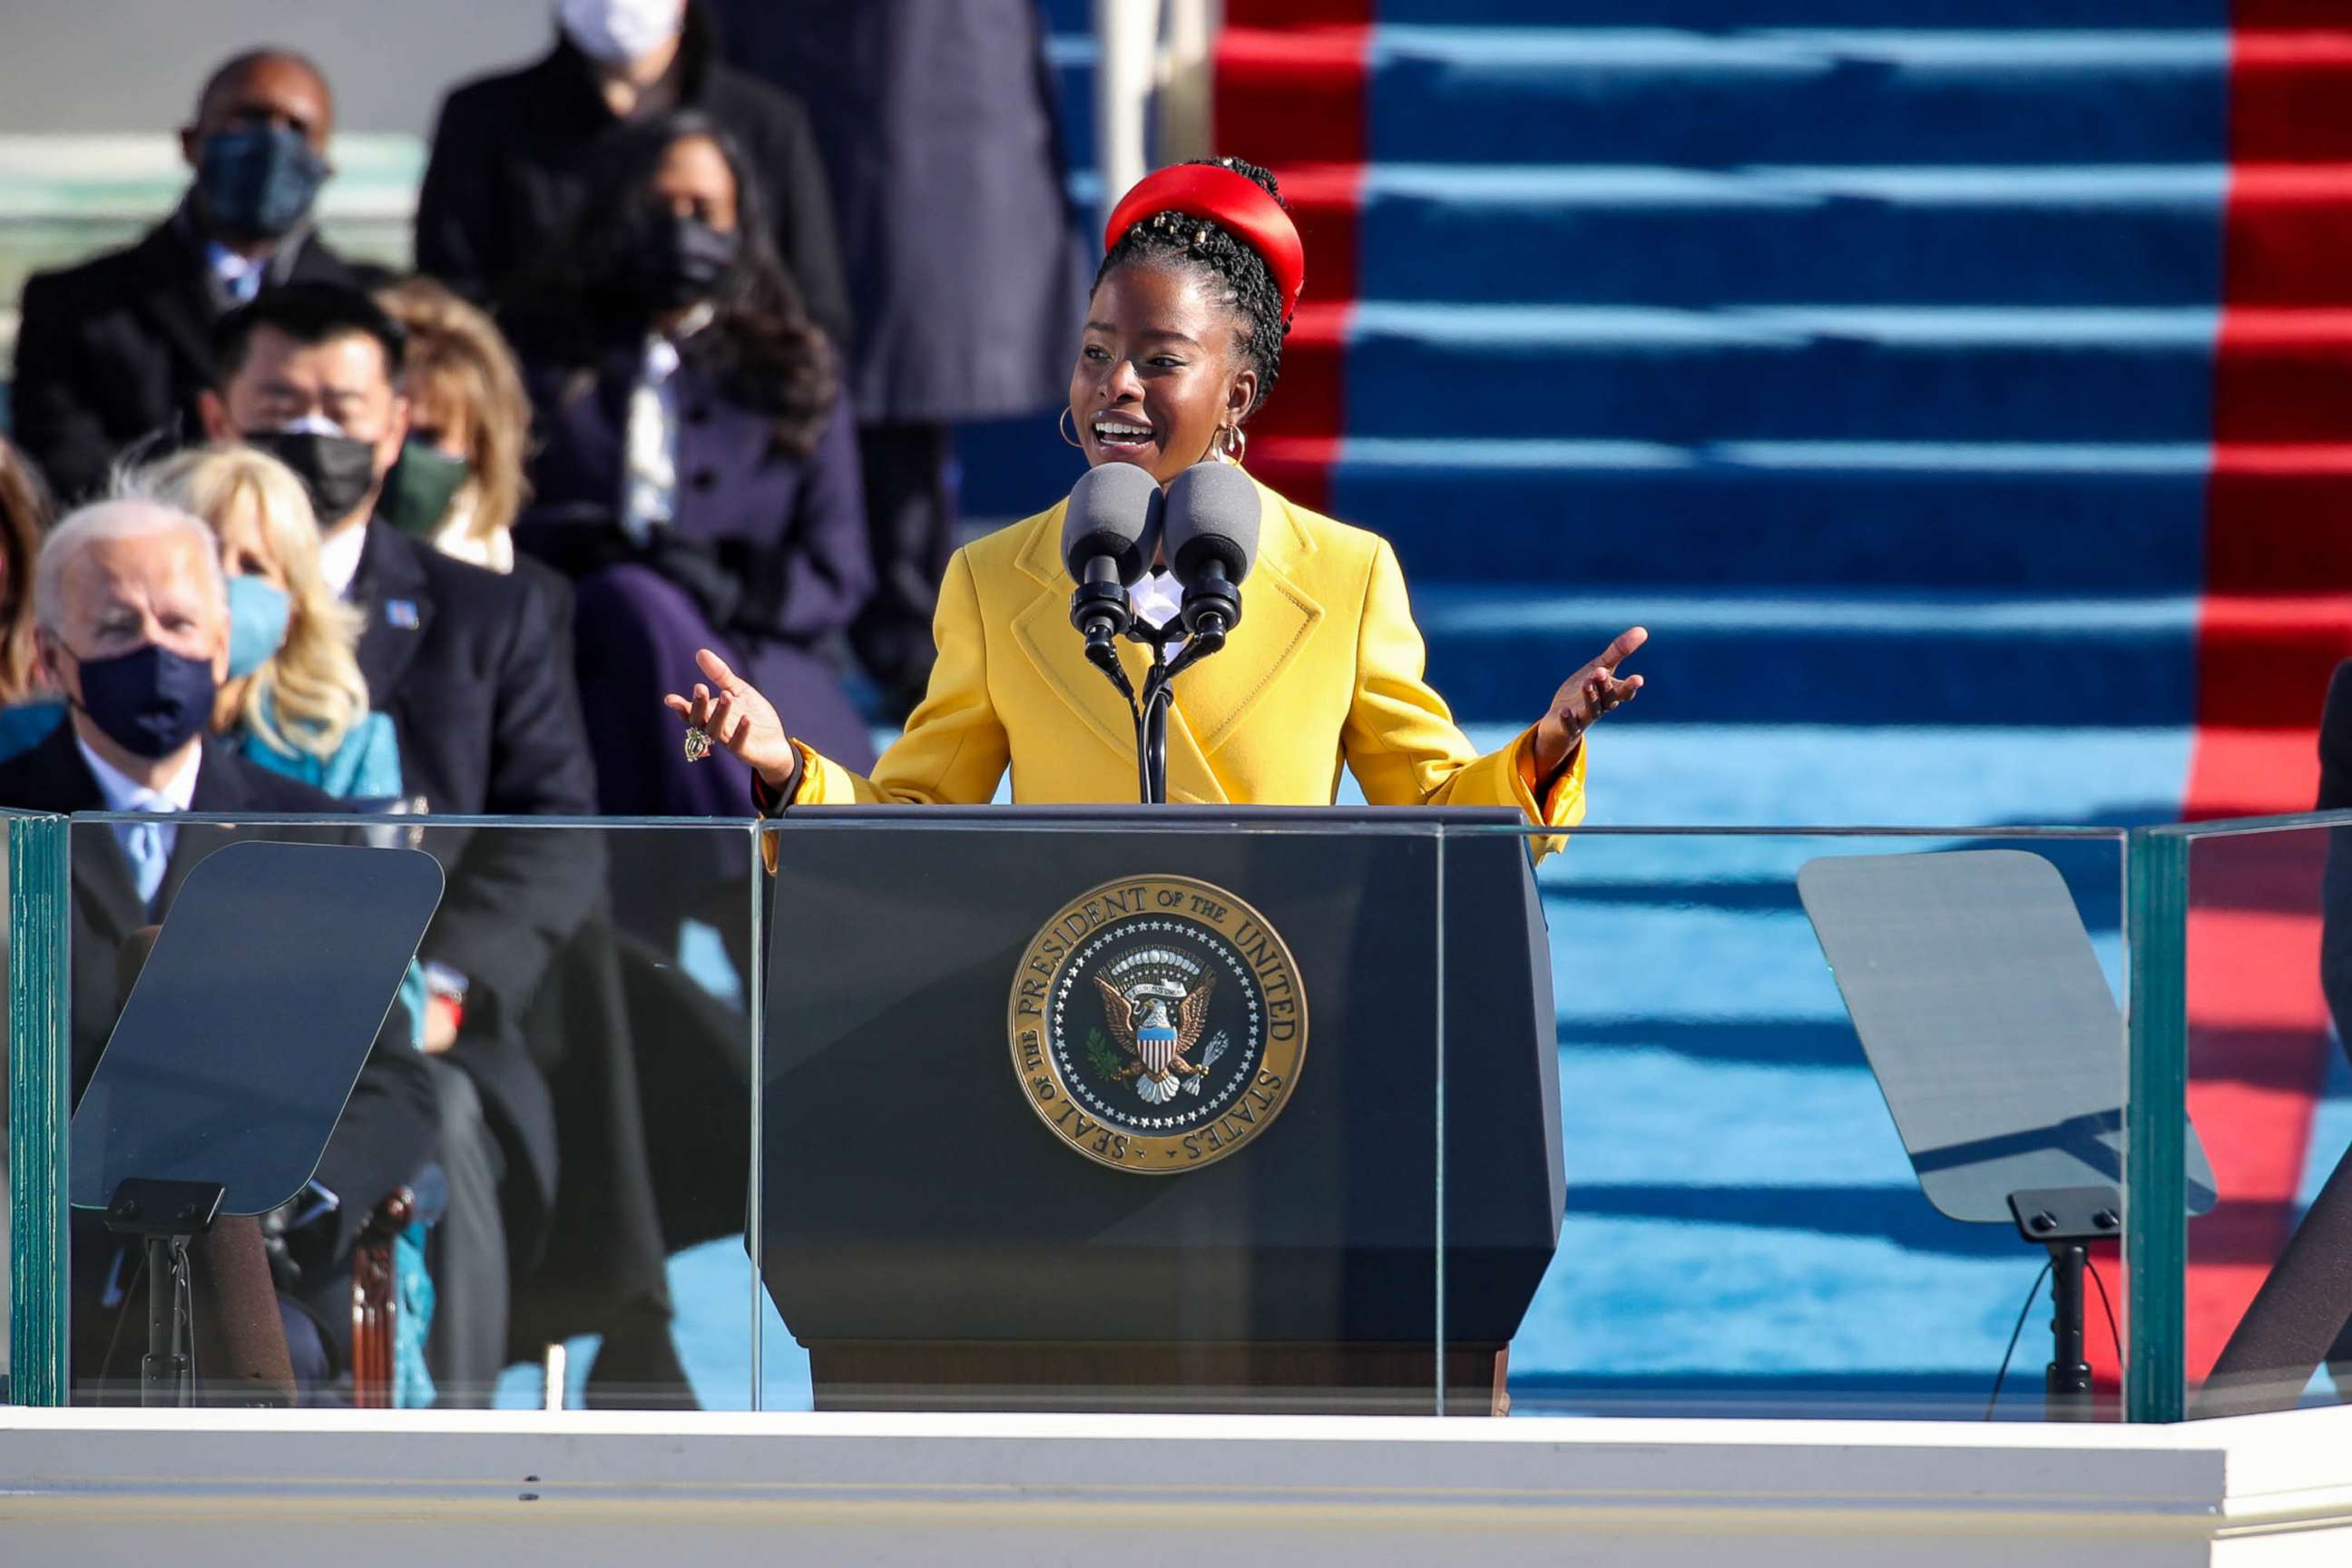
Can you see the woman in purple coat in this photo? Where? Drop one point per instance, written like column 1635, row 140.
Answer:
column 696, row 473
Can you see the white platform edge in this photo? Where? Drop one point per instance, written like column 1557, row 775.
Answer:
column 587, row 1488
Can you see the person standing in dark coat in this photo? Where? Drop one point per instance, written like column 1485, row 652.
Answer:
column 513, row 153
column 937, row 124
column 114, row 352
column 697, row 471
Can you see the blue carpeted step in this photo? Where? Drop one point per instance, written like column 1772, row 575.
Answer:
column 1841, row 658
column 1727, row 15
column 2095, row 519
column 1555, row 95
column 1665, row 772
column 1011, row 468
column 1706, row 878
column 1071, row 56
column 2078, row 235
column 1778, row 374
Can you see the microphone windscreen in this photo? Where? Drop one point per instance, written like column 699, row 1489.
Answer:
column 241, row 1340
column 1212, row 515
column 1114, row 511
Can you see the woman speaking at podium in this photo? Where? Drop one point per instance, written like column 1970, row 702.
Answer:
column 1201, row 275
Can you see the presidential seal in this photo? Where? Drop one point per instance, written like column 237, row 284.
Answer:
column 1157, row 1024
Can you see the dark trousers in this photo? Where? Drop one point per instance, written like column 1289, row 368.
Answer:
column 910, row 515
column 466, row 1346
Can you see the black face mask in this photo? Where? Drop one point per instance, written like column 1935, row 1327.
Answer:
column 150, row 700
column 338, row 470
column 260, row 180
column 681, row 259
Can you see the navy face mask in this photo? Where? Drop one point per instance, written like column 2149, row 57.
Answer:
column 149, row 701
column 259, row 180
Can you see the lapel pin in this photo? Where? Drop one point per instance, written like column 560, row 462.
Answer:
column 401, row 612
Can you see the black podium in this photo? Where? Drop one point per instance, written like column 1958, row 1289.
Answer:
column 1102, row 1108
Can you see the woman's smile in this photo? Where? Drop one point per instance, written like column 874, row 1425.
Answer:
column 1122, row 438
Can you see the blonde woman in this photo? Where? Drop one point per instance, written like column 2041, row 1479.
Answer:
column 295, row 701
column 459, row 483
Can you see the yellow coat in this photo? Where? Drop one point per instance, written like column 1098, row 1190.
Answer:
column 1323, row 669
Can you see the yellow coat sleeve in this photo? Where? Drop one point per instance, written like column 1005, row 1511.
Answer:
column 1400, row 740
column 953, row 752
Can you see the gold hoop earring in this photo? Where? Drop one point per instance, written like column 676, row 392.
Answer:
column 1233, row 444
column 1063, row 425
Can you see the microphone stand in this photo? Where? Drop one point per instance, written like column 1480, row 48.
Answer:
column 1149, row 710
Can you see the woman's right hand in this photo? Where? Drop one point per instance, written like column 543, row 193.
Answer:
column 734, row 715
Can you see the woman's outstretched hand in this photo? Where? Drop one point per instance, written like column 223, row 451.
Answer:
column 731, row 710
column 1587, row 695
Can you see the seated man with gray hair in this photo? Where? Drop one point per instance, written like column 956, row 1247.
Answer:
column 133, row 628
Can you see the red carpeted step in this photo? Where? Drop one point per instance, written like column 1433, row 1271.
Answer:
column 2289, row 85
column 2277, row 616
column 1290, row 95
column 2281, row 216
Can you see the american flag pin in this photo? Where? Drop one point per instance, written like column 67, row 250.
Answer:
column 401, row 612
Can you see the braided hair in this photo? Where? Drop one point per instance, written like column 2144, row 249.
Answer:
column 1242, row 281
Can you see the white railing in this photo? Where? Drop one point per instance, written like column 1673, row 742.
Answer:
column 1151, row 48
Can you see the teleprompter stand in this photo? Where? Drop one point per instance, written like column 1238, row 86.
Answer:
column 1992, row 1034
column 164, row 1216
column 236, row 1050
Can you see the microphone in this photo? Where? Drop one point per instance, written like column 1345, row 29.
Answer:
column 1212, row 537
column 1107, row 534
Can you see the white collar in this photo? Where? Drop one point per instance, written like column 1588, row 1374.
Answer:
column 124, row 793
column 339, row 558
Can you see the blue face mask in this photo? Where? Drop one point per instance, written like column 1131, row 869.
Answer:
column 150, row 700
column 259, row 181
column 257, row 615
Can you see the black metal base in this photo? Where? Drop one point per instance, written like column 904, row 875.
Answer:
column 165, row 1215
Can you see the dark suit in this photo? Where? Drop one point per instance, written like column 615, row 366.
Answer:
column 465, row 662
column 511, row 155
column 387, row 1133
column 114, row 351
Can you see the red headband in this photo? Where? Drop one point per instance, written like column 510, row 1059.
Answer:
column 1231, row 201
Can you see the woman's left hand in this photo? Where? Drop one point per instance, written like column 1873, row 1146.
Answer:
column 1587, row 695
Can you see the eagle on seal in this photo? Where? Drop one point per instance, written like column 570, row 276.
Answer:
column 1158, row 1023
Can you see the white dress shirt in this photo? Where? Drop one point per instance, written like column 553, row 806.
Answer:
column 339, row 559
column 1157, row 599
column 649, row 443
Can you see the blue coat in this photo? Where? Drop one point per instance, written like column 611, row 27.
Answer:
column 774, row 547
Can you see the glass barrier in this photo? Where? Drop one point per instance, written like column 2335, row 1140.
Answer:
column 1789, row 1180
column 2242, row 959
column 1066, row 1112
column 1778, row 1122
column 1658, row 1173
column 537, row 1192
column 33, row 872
